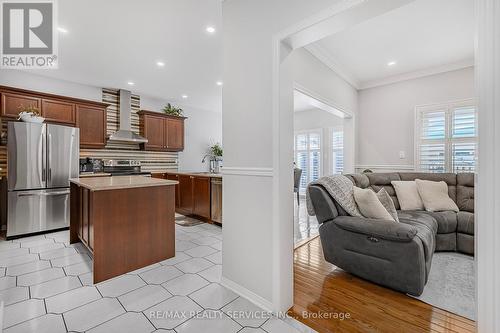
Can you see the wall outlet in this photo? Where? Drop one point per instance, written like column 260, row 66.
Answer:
column 402, row 154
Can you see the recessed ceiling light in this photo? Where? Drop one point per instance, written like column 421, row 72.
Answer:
column 64, row 31
column 210, row 29
column 130, row 83
column 184, row 96
column 391, row 63
column 219, row 83
column 160, row 64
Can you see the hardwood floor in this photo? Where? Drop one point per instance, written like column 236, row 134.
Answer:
column 350, row 304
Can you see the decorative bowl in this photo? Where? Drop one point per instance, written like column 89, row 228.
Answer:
column 30, row 118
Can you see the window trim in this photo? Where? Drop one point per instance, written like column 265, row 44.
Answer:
column 448, row 141
column 331, row 130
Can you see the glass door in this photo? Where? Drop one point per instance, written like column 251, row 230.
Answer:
column 308, row 156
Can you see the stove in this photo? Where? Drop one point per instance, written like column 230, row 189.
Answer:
column 123, row 168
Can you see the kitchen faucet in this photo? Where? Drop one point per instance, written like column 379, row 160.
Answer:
column 205, row 157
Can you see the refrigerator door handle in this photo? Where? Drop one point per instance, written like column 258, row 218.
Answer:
column 29, row 194
column 42, row 194
column 43, row 158
column 48, row 194
column 49, row 157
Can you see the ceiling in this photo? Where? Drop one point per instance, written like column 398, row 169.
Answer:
column 304, row 102
column 112, row 42
column 421, row 35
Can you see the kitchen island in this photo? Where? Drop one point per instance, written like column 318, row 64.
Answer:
column 126, row 222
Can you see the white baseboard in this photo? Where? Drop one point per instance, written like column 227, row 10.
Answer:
column 249, row 295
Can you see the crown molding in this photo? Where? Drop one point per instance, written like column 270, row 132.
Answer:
column 417, row 74
column 320, row 53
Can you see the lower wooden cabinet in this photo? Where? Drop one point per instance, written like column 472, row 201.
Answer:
column 201, row 196
column 193, row 195
column 81, row 212
column 185, row 194
column 176, row 178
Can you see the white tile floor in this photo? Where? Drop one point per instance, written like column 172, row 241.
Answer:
column 46, row 286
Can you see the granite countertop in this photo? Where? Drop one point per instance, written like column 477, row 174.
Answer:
column 119, row 182
column 197, row 174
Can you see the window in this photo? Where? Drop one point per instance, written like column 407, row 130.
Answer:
column 446, row 137
column 337, row 151
column 308, row 156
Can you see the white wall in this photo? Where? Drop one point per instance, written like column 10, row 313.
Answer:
column 201, row 128
column 258, row 233
column 32, row 81
column 319, row 119
column 321, row 81
column 386, row 114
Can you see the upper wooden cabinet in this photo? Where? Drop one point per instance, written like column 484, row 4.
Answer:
column 58, row 111
column 154, row 129
column 91, row 121
column 12, row 102
column 165, row 133
column 89, row 116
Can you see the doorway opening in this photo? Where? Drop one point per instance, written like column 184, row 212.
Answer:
column 318, row 149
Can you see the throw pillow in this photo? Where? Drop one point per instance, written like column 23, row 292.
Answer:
column 388, row 204
column 407, row 194
column 435, row 196
column 369, row 205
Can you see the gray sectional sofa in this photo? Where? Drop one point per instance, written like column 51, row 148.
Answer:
column 396, row 255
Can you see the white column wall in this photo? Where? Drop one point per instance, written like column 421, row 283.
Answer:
column 488, row 181
column 255, row 261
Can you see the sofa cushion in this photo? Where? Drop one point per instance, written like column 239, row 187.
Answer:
column 426, row 227
column 370, row 205
column 446, row 221
column 378, row 181
column 465, row 223
column 465, row 192
column 408, row 196
column 435, row 196
column 449, row 178
column 388, row 204
column 359, row 180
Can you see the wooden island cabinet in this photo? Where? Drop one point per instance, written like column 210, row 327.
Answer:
column 88, row 116
column 126, row 222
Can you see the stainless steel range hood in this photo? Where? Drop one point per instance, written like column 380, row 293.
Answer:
column 124, row 133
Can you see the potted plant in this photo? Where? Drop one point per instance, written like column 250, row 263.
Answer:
column 172, row 110
column 215, row 154
column 30, row 114
column 216, row 151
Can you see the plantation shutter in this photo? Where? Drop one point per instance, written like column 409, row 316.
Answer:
column 446, row 138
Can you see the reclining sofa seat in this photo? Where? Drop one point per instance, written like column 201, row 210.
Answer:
column 396, row 255
column 455, row 230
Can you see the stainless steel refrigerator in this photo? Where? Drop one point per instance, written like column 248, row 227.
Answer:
column 41, row 160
